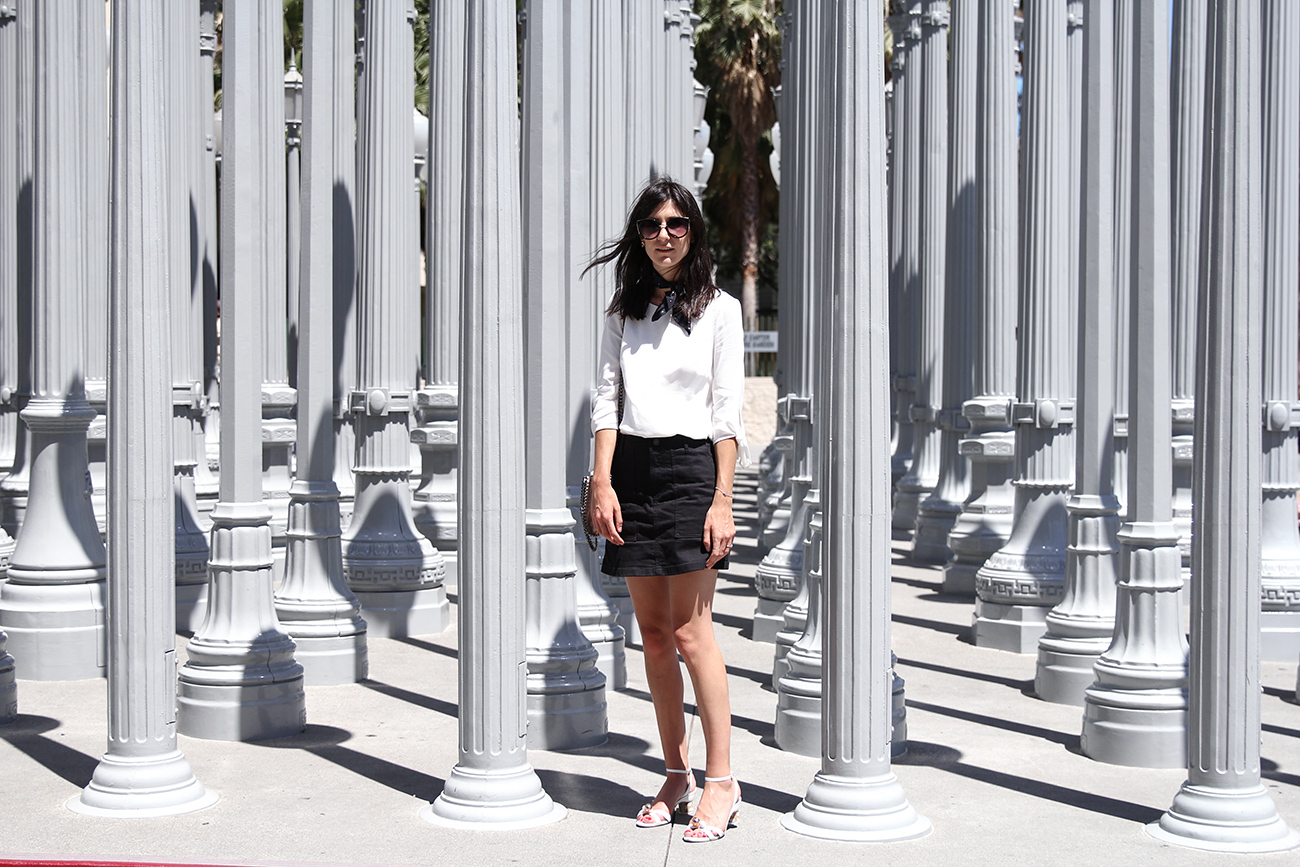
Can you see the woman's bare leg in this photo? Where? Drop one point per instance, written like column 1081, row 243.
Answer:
column 691, row 598
column 651, row 600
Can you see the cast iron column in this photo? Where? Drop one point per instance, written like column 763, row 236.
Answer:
column 347, row 61
column 1019, row 584
column 241, row 681
column 930, row 62
column 393, row 569
column 1222, row 806
column 985, row 521
column 903, row 241
column 52, row 605
column 180, row 20
column 566, row 692
column 435, row 499
column 143, row 772
column 492, row 785
column 1188, row 70
column 1080, row 626
column 1122, row 241
column 856, row 796
column 1279, row 539
column 314, row 604
column 939, row 511
column 8, row 307
column 1136, row 712
column 597, row 613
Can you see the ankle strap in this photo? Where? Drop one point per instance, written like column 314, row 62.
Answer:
column 719, row 779
column 678, row 770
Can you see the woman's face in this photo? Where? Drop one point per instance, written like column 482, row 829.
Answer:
column 666, row 252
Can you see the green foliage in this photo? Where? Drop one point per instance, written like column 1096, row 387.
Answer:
column 738, row 52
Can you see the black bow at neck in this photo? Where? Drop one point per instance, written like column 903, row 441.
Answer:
column 669, row 304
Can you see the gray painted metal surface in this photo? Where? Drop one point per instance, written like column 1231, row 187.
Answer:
column 435, row 499
column 143, row 773
column 1136, row 712
column 566, row 692
column 1223, row 805
column 1018, row 585
column 345, row 245
column 985, row 521
column 14, row 486
column 905, row 241
column 9, row 134
column 921, row 479
column 241, row 681
column 180, row 20
column 856, row 796
column 393, row 569
column 314, row 604
column 1280, row 474
column 1122, row 241
column 492, row 785
column 1079, row 627
column 597, row 613
column 52, row 605
column 939, row 512
column 1188, row 135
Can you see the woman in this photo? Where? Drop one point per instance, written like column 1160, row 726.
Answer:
column 668, row 432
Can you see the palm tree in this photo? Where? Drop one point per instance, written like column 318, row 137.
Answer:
column 737, row 51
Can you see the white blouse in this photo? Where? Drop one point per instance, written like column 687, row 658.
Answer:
column 675, row 383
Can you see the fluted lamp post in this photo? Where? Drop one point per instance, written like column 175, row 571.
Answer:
column 1223, row 806
column 52, row 606
column 856, row 795
column 492, row 785
column 143, row 773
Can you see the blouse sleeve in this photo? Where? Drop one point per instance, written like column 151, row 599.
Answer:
column 729, row 379
column 604, row 409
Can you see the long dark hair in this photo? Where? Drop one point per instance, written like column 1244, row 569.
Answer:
column 634, row 273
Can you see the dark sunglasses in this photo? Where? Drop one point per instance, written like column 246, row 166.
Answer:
column 677, row 227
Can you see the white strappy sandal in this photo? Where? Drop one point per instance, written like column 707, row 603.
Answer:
column 649, row 818
column 708, row 833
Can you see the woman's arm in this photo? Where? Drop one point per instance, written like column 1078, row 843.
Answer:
column 719, row 526
column 606, row 514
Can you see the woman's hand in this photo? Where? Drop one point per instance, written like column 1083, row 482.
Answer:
column 606, row 514
column 719, row 529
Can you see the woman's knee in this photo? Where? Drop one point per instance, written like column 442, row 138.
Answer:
column 657, row 640
column 694, row 639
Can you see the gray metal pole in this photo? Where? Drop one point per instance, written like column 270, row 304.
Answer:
column 1079, row 627
column 204, row 301
column 143, row 772
column 435, row 499
column 1018, row 585
column 492, row 785
column 314, row 604
column 566, row 692
column 923, row 476
column 939, row 511
column 180, row 20
column 8, row 308
column 1136, row 712
column 241, row 681
column 95, row 176
column 1223, row 806
column 597, row 613
column 394, row 570
column 9, row 131
column 1188, row 70
column 904, row 228
column 1122, row 243
column 1280, row 540
column 985, row 522
column 856, row 796
column 346, row 63
column 52, row 605
column 14, row 487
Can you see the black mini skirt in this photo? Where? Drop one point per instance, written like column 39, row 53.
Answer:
column 665, row 488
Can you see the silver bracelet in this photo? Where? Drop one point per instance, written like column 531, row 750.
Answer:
column 720, row 491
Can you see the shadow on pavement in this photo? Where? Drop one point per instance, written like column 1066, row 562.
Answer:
column 27, row 733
